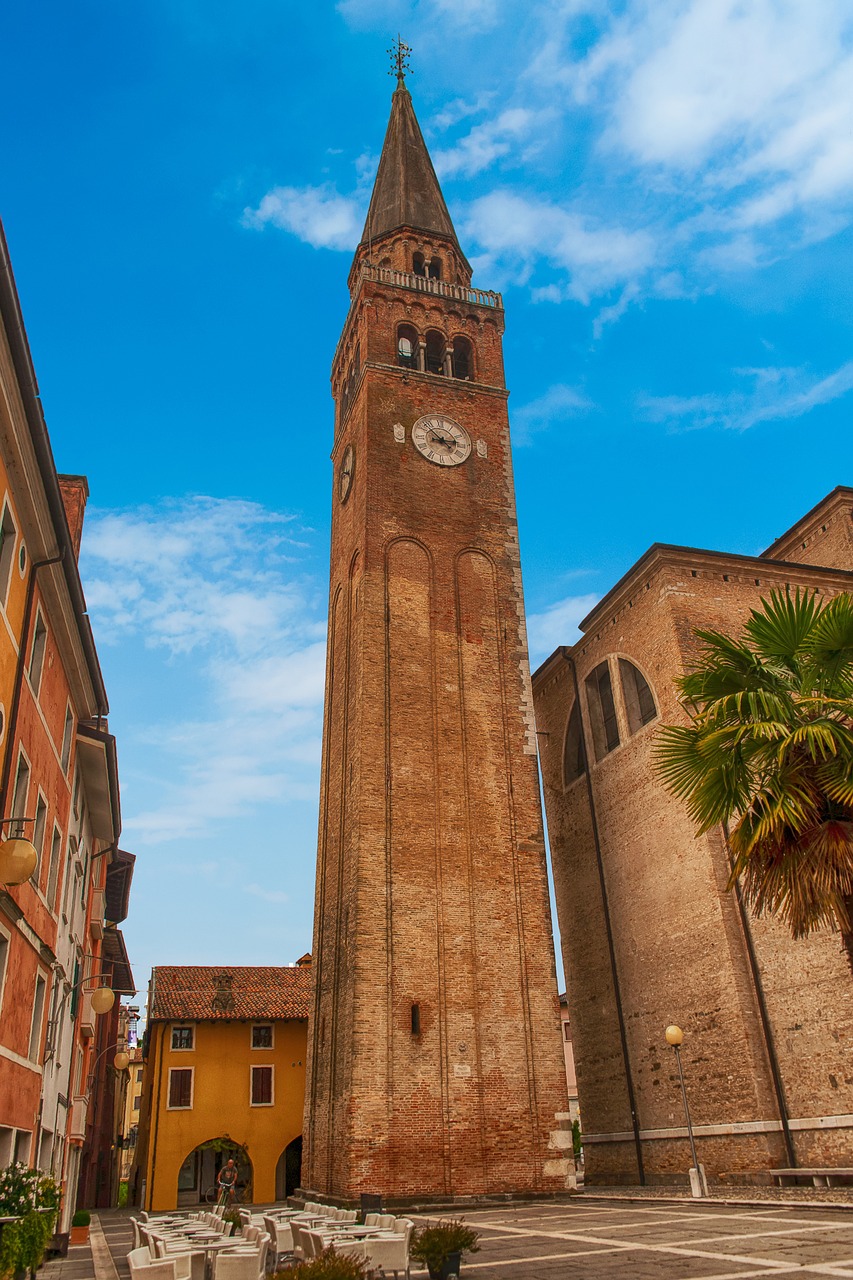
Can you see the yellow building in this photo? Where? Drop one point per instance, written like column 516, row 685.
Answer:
column 224, row 1054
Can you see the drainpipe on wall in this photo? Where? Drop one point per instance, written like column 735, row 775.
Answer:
column 763, row 1014
column 614, row 972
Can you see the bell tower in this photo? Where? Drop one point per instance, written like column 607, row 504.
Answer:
column 435, row 1063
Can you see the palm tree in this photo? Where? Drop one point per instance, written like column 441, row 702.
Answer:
column 768, row 754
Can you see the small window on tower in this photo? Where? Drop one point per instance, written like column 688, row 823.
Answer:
column 418, row 264
column 435, row 352
column 416, row 1019
column 434, row 271
column 462, row 362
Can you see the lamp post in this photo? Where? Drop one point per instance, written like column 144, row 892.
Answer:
column 674, row 1037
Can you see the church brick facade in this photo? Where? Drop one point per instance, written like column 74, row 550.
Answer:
column 649, row 934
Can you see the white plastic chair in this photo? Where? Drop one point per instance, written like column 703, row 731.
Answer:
column 139, row 1257
column 313, row 1244
column 350, row 1215
column 143, row 1216
column 137, row 1238
column 188, row 1265
column 161, row 1270
column 388, row 1255
column 281, row 1237
column 236, row 1266
column 371, row 1219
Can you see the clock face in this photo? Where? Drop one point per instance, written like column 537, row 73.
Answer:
column 441, row 440
column 345, row 473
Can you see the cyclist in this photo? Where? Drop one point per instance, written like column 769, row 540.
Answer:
column 227, row 1182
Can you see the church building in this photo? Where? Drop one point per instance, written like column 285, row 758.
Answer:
column 650, row 935
column 435, row 1060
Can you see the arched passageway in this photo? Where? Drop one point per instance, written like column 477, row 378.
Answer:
column 288, row 1171
column 198, row 1174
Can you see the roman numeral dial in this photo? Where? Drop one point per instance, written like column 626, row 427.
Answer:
column 441, row 440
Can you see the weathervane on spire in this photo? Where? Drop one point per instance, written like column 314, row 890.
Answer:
column 399, row 53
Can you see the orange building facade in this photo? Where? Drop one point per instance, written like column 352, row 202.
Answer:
column 224, row 1073
column 58, row 786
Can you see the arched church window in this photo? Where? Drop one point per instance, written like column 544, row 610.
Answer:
column 418, row 264
column 640, row 706
column 574, row 755
column 602, row 710
column 434, row 352
column 463, row 365
column 407, row 347
column 434, row 271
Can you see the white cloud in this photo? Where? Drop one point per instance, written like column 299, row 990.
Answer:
column 609, row 315
column 217, row 587
column 488, row 142
column 776, row 394
column 268, row 895
column 556, row 625
column 558, row 403
column 515, row 230
column 318, row 215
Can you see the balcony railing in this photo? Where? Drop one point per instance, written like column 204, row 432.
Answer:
column 425, row 284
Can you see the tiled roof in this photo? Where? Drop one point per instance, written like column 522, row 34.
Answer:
column 229, row 993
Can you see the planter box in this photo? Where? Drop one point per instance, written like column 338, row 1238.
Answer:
column 80, row 1235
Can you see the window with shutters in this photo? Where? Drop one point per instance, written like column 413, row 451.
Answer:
column 180, row 1088
column 602, row 711
column 640, row 706
column 574, row 755
column 262, row 1086
column 67, row 735
column 183, row 1037
column 37, row 653
column 8, row 534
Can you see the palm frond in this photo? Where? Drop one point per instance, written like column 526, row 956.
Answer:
column 781, row 627
column 829, row 645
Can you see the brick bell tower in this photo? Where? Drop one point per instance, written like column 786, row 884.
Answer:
column 435, row 1063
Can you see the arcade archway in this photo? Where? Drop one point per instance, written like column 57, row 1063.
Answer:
column 288, row 1171
column 198, row 1174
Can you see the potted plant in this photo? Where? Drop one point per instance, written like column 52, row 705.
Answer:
column 80, row 1227
column 440, row 1246
column 328, row 1265
column 29, row 1200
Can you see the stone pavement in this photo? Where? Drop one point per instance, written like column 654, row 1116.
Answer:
column 595, row 1237
column 600, row 1239
column 103, row 1258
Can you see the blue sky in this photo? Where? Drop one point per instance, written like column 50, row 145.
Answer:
column 660, row 188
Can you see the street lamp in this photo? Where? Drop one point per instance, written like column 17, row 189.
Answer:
column 675, row 1036
column 18, row 856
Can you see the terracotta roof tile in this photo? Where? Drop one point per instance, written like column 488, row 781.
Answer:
column 229, row 992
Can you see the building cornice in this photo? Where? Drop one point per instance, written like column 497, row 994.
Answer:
column 39, row 501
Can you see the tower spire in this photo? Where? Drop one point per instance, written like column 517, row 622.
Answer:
column 406, row 192
column 400, row 53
